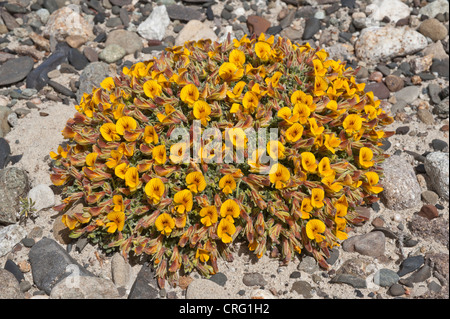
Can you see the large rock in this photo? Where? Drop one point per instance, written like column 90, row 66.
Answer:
column 393, row 9
column 128, row 40
column 9, row 286
column 436, row 166
column 384, row 43
column 145, row 286
column 84, row 287
column 67, row 21
column 42, row 196
column 401, row 188
column 434, row 8
column 91, row 77
column 15, row 70
column 154, row 27
column 205, row 289
column 193, row 31
column 50, row 264
column 9, row 237
column 13, row 186
column 433, row 29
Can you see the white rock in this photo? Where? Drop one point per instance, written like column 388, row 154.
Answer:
column 154, row 27
column 43, row 14
column 10, row 236
column 43, row 197
column 262, row 294
column 383, row 43
column 435, row 7
column 195, row 30
column 437, row 168
column 121, row 271
column 393, row 9
column 239, row 11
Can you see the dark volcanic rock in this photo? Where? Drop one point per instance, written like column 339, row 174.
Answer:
column 15, row 70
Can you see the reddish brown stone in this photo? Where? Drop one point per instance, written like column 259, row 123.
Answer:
column 257, row 24
column 429, row 212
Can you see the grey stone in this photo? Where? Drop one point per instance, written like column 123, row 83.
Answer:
column 408, row 94
column 401, row 188
column 9, row 237
column 9, row 289
column 433, row 29
column 120, row 270
column 205, row 289
column 5, row 150
column 15, row 70
column 43, row 197
column 425, row 116
column 128, row 40
column 50, row 264
column 396, row 290
column 254, row 279
column 433, row 92
column 183, row 13
column 84, row 287
column 442, row 109
column 219, row 278
column 14, row 269
column 430, row 197
column 410, row 264
column 308, row 264
column 436, row 166
column 145, row 285
column 385, row 277
column 371, row 244
column 91, row 77
column 432, row 9
column 312, row 26
column 419, row 276
column 13, row 186
column 302, row 288
column 354, row 281
column 112, row 53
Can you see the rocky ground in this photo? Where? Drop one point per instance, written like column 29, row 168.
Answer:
column 51, row 51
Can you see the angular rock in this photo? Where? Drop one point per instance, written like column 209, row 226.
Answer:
column 370, row 244
column 384, row 43
column 145, row 285
column 419, row 276
column 429, row 212
column 385, row 277
column 84, row 287
column 60, row 88
column 193, row 31
column 257, row 24
column 67, row 21
column 436, row 166
column 183, row 13
column 128, row 40
column 14, row 269
column 433, row 230
column 51, row 264
column 43, row 197
column 154, row 27
column 77, row 59
column 9, row 289
column 15, row 70
column 410, row 264
column 441, row 67
column 312, row 26
column 91, row 77
column 9, row 237
column 13, row 186
column 354, row 281
column 401, row 188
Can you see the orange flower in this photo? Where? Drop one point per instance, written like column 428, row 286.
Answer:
column 117, row 221
column 209, row 215
column 294, row 133
column 314, row 228
column 309, row 162
column 279, row 175
column 225, row 230
column 165, row 224
column 229, row 210
column 196, row 182
column 184, row 201
column 159, row 154
column 154, row 189
column 189, row 94
column 317, row 196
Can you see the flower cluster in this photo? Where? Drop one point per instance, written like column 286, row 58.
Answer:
column 144, row 193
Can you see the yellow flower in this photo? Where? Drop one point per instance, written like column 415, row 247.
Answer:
column 328, row 181
column 154, row 189
column 294, row 133
column 237, row 57
column 189, row 94
column 114, row 160
column 202, row 111
column 225, row 230
column 109, row 133
column 184, row 200
column 152, row 89
column 306, row 208
column 209, row 215
column 62, row 153
column 332, row 105
column 125, row 123
column 108, row 84
column 230, row 210
column 121, row 170
column 91, row 158
column 227, row 184
column 159, row 154
column 286, row 114
column 164, row 224
column 320, row 86
column 325, row 168
column 314, row 128
column 314, row 228
column 132, row 178
column 237, row 137
column 331, row 142
column 319, row 70
column 317, row 196
column 301, row 97
column 365, row 157
column 196, row 182
column 372, row 181
column 237, row 90
column 229, row 72
column 352, row 123
column 117, row 221
column 69, row 221
column 118, row 203
column 274, row 79
column 263, row 50
column 279, row 175
column 202, row 254
column 150, row 135
column 309, row 162
column 250, row 101
column 303, row 112
column 126, row 149
column 177, row 152
column 276, row 150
